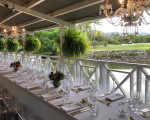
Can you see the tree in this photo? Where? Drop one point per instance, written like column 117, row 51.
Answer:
column 96, row 23
column 98, row 36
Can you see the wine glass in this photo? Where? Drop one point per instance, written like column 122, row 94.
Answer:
column 138, row 101
column 94, row 107
column 66, row 90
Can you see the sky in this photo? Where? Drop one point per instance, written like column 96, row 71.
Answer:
column 107, row 27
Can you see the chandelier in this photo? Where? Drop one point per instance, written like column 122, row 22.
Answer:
column 14, row 33
column 14, row 29
column 129, row 15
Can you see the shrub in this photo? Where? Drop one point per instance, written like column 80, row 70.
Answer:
column 33, row 44
column 105, row 44
column 94, row 43
column 12, row 45
column 111, row 56
column 133, row 54
column 2, row 45
column 148, row 51
column 118, row 55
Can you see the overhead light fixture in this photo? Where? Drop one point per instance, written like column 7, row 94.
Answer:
column 130, row 15
column 14, row 29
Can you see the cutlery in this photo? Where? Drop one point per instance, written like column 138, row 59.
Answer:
column 79, row 111
column 84, row 101
column 70, row 102
column 104, row 101
column 124, row 102
column 130, row 118
column 53, row 98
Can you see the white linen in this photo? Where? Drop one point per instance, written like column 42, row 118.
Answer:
column 71, row 107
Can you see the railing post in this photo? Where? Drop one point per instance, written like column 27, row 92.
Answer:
column 103, row 74
column 78, row 70
column 131, row 83
column 139, row 79
column 147, row 88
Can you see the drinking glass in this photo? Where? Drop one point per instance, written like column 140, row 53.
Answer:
column 95, row 110
column 66, row 90
column 148, row 116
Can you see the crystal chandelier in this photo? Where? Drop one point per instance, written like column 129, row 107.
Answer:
column 14, row 29
column 129, row 15
column 14, row 33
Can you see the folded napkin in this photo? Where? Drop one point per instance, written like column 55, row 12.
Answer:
column 82, row 88
column 33, row 86
column 20, row 81
column 38, row 91
column 114, row 97
column 146, row 114
column 71, row 107
column 11, row 75
column 50, row 95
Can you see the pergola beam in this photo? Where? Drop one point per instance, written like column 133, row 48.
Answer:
column 72, row 8
column 34, row 3
column 31, row 4
column 30, row 22
column 38, row 14
column 74, row 22
column 45, row 28
column 75, row 7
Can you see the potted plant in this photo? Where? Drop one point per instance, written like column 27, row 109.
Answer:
column 75, row 44
column 12, row 45
column 56, row 78
column 33, row 44
column 2, row 45
column 15, row 66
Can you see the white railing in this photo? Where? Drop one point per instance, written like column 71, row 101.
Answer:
column 86, row 71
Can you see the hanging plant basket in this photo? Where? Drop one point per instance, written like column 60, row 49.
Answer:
column 75, row 44
column 2, row 45
column 12, row 45
column 33, row 44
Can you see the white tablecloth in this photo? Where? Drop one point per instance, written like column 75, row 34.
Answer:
column 50, row 110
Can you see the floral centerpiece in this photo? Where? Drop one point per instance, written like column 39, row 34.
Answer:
column 15, row 65
column 56, row 78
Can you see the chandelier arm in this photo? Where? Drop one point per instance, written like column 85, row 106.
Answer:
column 111, row 16
column 115, row 23
column 147, row 12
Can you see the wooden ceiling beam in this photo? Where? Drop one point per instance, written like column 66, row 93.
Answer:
column 38, row 14
column 71, row 8
column 31, row 4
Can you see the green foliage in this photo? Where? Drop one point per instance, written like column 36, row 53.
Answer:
column 94, row 43
column 75, row 43
column 105, row 44
column 118, row 55
column 33, row 44
column 47, row 39
column 12, row 45
column 2, row 45
column 133, row 54
column 148, row 51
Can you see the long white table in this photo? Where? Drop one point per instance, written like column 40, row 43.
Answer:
column 48, row 110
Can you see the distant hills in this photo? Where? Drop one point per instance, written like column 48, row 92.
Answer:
column 110, row 33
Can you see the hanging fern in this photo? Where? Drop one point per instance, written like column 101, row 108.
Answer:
column 75, row 44
column 2, row 45
column 33, row 44
column 12, row 45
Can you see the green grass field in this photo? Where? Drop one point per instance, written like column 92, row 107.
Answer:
column 138, row 46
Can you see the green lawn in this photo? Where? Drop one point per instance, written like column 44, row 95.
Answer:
column 138, row 46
